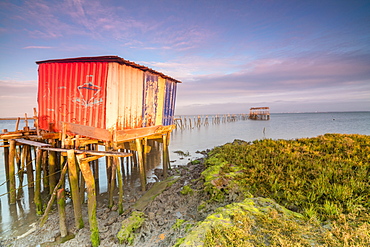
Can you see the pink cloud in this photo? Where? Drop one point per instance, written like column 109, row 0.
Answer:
column 37, row 47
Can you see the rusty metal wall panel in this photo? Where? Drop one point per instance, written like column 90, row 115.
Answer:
column 150, row 99
column 161, row 98
column 124, row 97
column 112, row 102
column 72, row 92
column 169, row 103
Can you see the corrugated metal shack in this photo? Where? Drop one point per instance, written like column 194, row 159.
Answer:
column 109, row 94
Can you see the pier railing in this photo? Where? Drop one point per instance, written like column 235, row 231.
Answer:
column 197, row 121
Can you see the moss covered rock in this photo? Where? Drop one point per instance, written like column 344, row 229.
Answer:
column 254, row 222
column 129, row 226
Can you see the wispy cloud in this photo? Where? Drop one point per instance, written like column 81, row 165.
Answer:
column 37, row 47
column 17, row 98
column 299, row 79
column 17, row 88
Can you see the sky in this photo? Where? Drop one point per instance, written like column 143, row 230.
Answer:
column 231, row 55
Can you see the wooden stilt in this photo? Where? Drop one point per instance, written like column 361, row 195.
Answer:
column 17, row 124
column 120, row 184
column 52, row 168
column 37, row 199
column 64, row 134
column 134, row 159
column 167, row 150
column 45, row 178
column 26, row 120
column 95, row 163
column 139, row 148
column 122, row 163
column 91, row 201
column 82, row 189
column 6, row 157
column 36, row 122
column 53, row 195
column 165, row 156
column 108, row 164
column 112, row 182
column 21, row 168
column 73, row 179
column 12, row 153
column 146, row 150
column 62, row 212
column 29, row 166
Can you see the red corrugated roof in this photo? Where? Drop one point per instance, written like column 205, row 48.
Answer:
column 115, row 59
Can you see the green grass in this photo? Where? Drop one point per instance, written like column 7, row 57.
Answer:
column 326, row 179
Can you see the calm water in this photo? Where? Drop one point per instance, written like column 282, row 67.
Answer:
column 280, row 126
column 15, row 219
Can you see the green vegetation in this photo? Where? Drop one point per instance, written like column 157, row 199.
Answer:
column 255, row 222
column 186, row 190
column 326, row 179
column 129, row 226
column 195, row 162
column 177, row 225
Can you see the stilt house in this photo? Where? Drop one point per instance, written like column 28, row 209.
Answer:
column 106, row 98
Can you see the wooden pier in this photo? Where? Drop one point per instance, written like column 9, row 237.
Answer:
column 191, row 122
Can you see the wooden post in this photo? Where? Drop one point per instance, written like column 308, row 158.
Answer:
column 11, row 174
column 6, row 158
column 95, row 163
column 96, row 169
column 62, row 212
column 25, row 120
column 37, row 199
column 120, row 184
column 73, row 180
column 36, row 121
column 52, row 169
column 45, row 178
column 108, row 165
column 29, row 166
column 21, row 168
column 145, row 153
column 112, row 183
column 139, row 148
column 82, row 189
column 53, row 195
column 17, row 124
column 91, row 201
column 64, row 134
column 165, row 156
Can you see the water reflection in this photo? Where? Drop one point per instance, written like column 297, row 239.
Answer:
column 16, row 219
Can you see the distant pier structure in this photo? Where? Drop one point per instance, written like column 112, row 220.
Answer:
column 259, row 113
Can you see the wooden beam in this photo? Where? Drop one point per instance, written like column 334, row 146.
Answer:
column 92, row 132
column 138, row 133
column 32, row 143
column 91, row 152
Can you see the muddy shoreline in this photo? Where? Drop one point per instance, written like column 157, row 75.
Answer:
column 161, row 215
